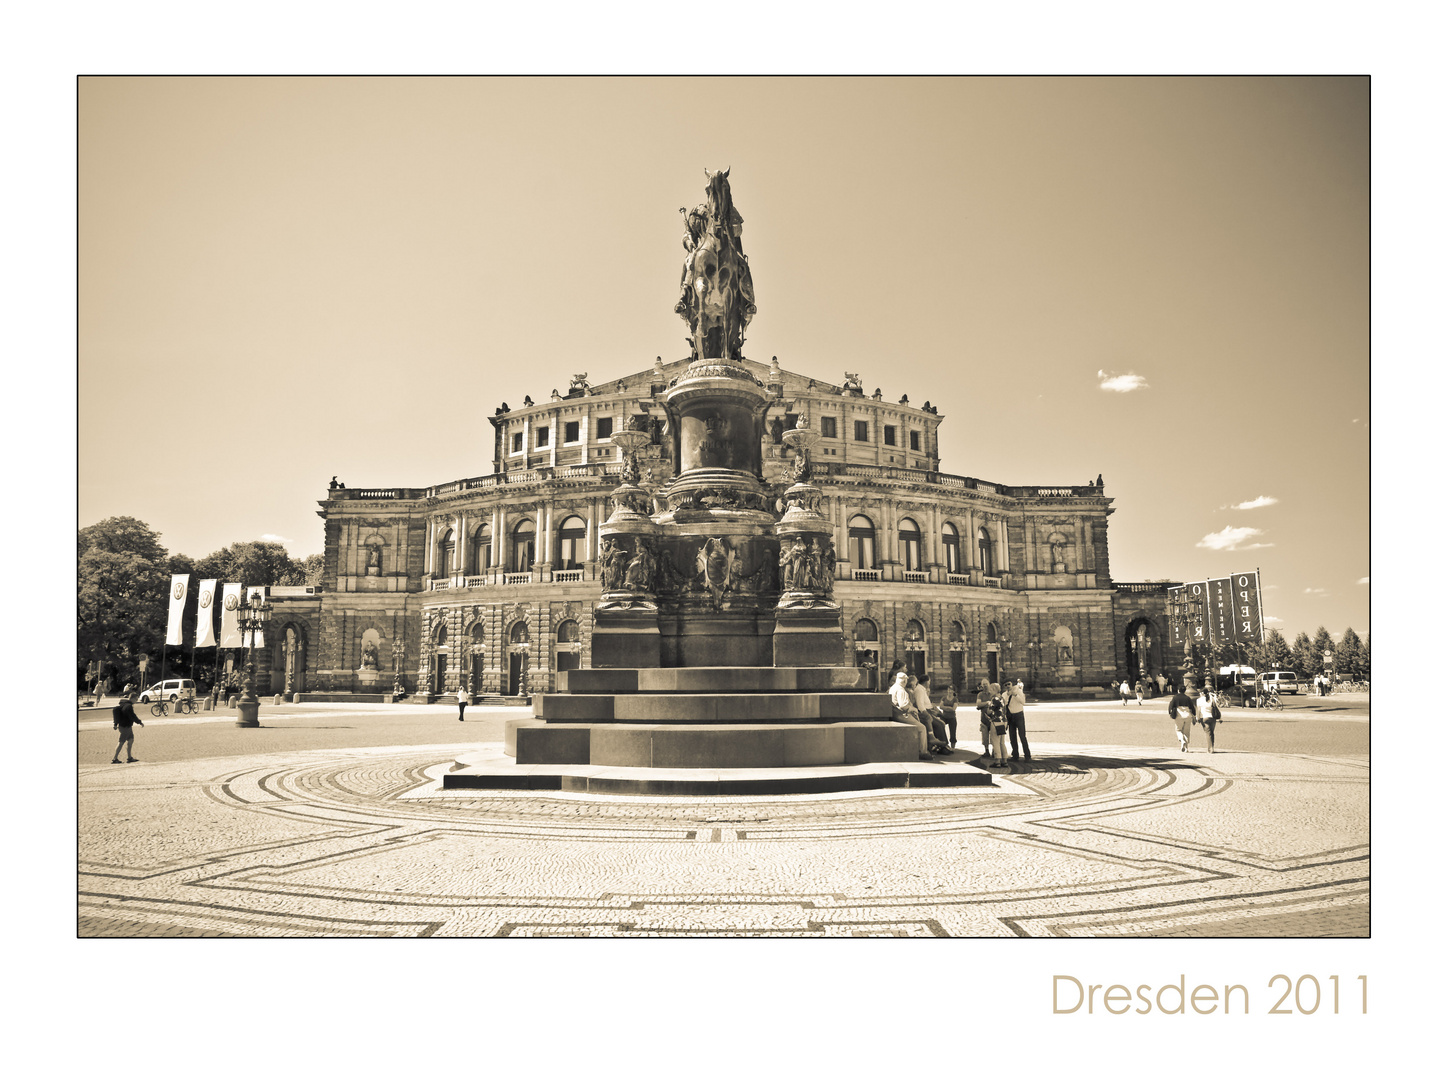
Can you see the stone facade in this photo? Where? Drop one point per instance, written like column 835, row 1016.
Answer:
column 483, row 579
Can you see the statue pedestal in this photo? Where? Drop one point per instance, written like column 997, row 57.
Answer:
column 808, row 637
column 367, row 679
column 626, row 638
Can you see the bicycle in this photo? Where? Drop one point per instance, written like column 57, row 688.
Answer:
column 188, row 705
column 1271, row 700
column 158, row 708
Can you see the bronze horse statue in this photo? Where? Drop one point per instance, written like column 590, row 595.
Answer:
column 716, row 289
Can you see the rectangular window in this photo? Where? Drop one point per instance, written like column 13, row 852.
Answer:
column 570, row 431
column 517, row 442
column 605, row 427
column 862, row 431
column 889, row 434
column 542, row 437
column 827, row 427
column 915, row 440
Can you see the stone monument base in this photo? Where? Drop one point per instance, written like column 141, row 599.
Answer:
column 808, row 637
column 626, row 638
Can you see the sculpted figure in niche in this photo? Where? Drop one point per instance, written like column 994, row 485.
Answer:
column 715, row 565
column 794, row 570
column 822, row 566
column 639, row 574
column 615, row 562
column 374, row 561
column 369, row 656
column 1058, row 553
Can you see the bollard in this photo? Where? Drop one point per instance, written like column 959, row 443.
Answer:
column 296, row 699
column 232, row 701
column 277, row 700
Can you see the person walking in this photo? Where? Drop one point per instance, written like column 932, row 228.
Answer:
column 1125, row 692
column 1140, row 689
column 1015, row 702
column 122, row 719
column 1160, row 683
column 1182, row 709
column 462, row 702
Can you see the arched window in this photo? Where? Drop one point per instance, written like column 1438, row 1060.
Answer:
column 909, row 544
column 571, row 543
column 439, row 638
column 987, row 562
column 990, row 633
column 518, row 635
column 566, row 651
column 445, row 545
column 523, row 546
column 915, row 648
column 482, row 553
column 867, row 644
column 950, row 543
column 475, row 635
column 1065, row 644
column 862, row 543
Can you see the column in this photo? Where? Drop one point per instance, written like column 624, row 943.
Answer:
column 496, row 557
column 1080, row 567
column 538, row 526
column 460, row 545
column 548, row 534
column 970, row 555
column 1003, row 562
column 430, row 555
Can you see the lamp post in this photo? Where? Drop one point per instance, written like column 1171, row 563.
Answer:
column 251, row 618
column 1033, row 650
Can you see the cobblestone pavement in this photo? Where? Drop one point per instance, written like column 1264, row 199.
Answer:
column 1085, row 842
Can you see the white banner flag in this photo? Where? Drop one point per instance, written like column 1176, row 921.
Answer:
column 230, row 601
column 178, row 605
column 206, row 615
column 256, row 590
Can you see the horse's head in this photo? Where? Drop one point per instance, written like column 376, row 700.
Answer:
column 717, row 192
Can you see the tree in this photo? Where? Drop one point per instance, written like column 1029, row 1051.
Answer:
column 253, row 562
column 122, row 577
column 1322, row 643
column 311, row 570
column 1350, row 654
column 1304, row 661
column 1368, row 656
column 1276, row 654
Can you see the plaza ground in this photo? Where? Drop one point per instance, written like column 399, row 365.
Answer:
column 330, row 820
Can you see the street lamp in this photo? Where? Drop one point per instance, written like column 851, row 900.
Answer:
column 251, row 619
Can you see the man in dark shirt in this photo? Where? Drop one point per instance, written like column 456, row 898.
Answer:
column 122, row 717
column 1193, row 706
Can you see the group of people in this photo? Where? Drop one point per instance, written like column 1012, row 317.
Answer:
column 1194, row 706
column 1002, row 714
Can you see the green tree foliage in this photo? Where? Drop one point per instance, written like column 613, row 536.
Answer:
column 253, row 562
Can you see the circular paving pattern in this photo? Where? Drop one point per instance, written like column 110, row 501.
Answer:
column 1105, row 841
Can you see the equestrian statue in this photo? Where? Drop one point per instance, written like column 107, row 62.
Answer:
column 716, row 290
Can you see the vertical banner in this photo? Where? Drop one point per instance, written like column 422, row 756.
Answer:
column 178, row 605
column 1219, row 591
column 1197, row 626
column 256, row 590
column 1247, row 609
column 206, row 615
column 230, row 601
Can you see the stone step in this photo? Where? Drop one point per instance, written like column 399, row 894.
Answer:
column 711, row 708
column 716, row 680
column 687, row 746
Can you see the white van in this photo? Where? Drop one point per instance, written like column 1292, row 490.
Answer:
column 1284, row 682
column 171, row 689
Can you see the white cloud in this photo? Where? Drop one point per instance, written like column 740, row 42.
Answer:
column 273, row 538
column 1121, row 384
column 1315, row 592
column 1231, row 539
column 1362, row 581
column 1272, row 618
column 1257, row 503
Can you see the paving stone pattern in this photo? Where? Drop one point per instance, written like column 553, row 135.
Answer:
column 1106, row 841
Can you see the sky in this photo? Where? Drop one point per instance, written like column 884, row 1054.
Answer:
column 1164, row 281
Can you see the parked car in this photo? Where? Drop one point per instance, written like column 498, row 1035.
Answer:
column 1284, row 682
column 171, row 689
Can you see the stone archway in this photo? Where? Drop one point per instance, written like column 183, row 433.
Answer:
column 1143, row 649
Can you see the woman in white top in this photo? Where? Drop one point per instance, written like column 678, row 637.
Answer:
column 462, row 702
